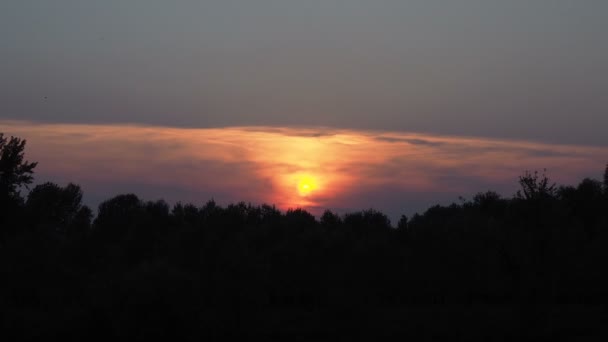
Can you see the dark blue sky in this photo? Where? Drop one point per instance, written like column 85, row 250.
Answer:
column 517, row 69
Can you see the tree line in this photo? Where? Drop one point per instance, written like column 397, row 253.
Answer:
column 490, row 267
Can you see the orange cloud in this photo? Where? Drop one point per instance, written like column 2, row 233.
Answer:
column 291, row 167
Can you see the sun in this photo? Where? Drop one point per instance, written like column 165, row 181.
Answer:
column 306, row 185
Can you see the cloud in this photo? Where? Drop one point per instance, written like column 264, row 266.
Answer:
column 352, row 169
column 411, row 141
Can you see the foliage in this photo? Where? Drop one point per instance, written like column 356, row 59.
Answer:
column 58, row 209
column 14, row 172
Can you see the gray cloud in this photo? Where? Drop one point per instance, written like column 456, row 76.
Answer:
column 459, row 67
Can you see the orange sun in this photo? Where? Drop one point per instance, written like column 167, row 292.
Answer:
column 306, row 185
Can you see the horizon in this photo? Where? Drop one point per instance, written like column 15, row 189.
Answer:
column 460, row 148
column 518, row 80
column 315, row 169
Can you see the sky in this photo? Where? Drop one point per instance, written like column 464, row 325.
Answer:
column 533, row 70
column 342, row 170
column 340, row 104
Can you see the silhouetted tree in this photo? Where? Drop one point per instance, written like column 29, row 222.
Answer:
column 330, row 220
column 270, row 214
column 402, row 224
column 535, row 186
column 606, row 179
column 81, row 222
column 210, row 210
column 187, row 216
column 299, row 218
column 58, row 209
column 367, row 222
column 587, row 205
column 490, row 203
column 117, row 216
column 14, row 172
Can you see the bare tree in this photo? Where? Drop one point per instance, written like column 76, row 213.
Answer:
column 535, row 186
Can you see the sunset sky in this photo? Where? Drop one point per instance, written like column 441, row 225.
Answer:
column 316, row 169
column 344, row 103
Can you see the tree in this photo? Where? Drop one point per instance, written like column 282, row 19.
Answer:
column 117, row 216
column 299, row 219
column 490, row 203
column 14, row 172
column 534, row 187
column 606, row 179
column 58, row 209
column 402, row 224
column 330, row 220
column 367, row 221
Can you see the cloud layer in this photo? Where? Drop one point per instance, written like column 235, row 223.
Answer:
column 518, row 69
column 345, row 169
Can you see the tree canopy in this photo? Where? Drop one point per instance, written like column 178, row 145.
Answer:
column 14, row 171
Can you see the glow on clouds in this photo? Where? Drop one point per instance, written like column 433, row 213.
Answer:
column 314, row 168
